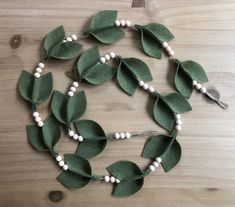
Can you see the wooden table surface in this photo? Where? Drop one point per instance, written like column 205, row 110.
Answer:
column 205, row 176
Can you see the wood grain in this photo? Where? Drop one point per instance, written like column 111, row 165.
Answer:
column 204, row 32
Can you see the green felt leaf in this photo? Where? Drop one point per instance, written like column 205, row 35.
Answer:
column 88, row 59
column 99, row 74
column 58, row 106
column 89, row 129
column 65, row 50
column 156, row 146
column 78, row 165
column 51, row 132
column 139, row 68
column 53, row 38
column 90, row 148
column 76, row 106
column 72, row 180
column 171, row 157
column 183, row 83
column 126, row 80
column 42, row 88
column 150, row 45
column 125, row 170
column 35, row 138
column 195, row 70
column 178, row 103
column 163, row 114
column 25, row 85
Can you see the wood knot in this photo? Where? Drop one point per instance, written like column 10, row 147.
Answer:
column 15, row 41
column 214, row 93
column 138, row 3
column 56, row 196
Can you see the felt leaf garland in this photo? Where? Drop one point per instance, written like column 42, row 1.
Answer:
column 102, row 27
column 35, row 138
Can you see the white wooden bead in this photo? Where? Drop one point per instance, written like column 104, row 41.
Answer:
column 69, row 39
column 102, row 60
column 41, row 65
column 152, row 168
column 71, row 133
column 128, row 135
column 75, row 136
column 117, row 23
column 123, row 23
column 141, row 83
column 145, row 86
column 107, row 57
column 64, row 41
column 168, row 48
column 178, row 116
column 198, row 86
column 106, row 178
column 37, row 75
column 117, row 180
column 117, row 135
column 39, row 70
column 128, row 23
column 171, row 53
column 122, row 135
column 112, row 179
column 74, row 37
column 164, row 44
column 151, row 89
column 58, row 158
column 194, row 82
column 178, row 128
column 203, row 90
column 70, row 93
column 179, row 122
column 38, row 119
column 155, row 164
column 65, row 167
column 80, row 138
column 40, row 124
column 35, row 114
column 112, row 55
column 159, row 159
column 61, row 163
column 73, row 89
column 75, row 84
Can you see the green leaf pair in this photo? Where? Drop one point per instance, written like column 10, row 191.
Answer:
column 102, row 27
column 130, row 176
column 79, row 173
column 130, row 71
column 94, row 136
column 91, row 70
column 186, row 72
column 67, row 110
column 152, row 37
column 55, row 47
column 165, row 147
column 167, row 106
column 35, row 90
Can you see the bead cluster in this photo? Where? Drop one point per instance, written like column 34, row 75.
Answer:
column 107, row 57
column 146, row 87
column 61, row 162
column 178, row 122
column 199, row 87
column 122, row 135
column 72, row 89
column 111, row 179
column 75, row 136
column 123, row 23
column 38, row 119
column 38, row 70
column 155, row 164
column 70, row 39
column 168, row 49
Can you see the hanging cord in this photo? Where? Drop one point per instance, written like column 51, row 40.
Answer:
column 222, row 104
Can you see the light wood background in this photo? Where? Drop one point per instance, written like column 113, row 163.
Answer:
column 205, row 176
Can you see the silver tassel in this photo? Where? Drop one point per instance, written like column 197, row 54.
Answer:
column 217, row 101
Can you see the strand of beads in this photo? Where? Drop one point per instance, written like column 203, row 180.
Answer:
column 168, row 49
column 199, row 87
column 155, row 164
column 75, row 136
column 107, row 57
column 70, row 39
column 111, row 179
column 38, row 119
column 39, row 69
column 123, row 23
column 122, row 135
column 178, row 122
column 73, row 88
column 61, row 162
column 146, row 87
